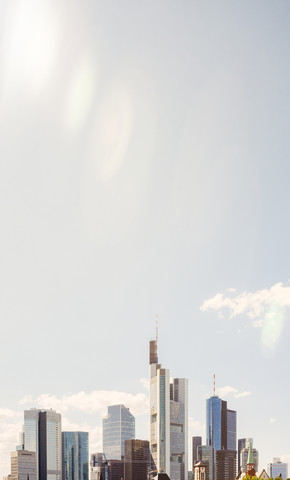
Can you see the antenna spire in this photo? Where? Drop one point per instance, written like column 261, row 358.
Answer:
column 156, row 328
column 214, row 384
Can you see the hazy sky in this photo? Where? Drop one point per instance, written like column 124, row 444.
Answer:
column 145, row 169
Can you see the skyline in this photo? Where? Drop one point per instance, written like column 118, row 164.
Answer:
column 144, row 168
column 138, row 405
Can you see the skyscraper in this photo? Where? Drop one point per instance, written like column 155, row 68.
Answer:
column 118, row 426
column 221, row 428
column 42, row 434
column 205, row 454
column 243, row 443
column 75, row 456
column 196, row 442
column 168, row 419
column 137, row 459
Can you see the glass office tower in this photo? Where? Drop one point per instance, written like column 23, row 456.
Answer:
column 75, row 455
column 118, row 426
column 42, row 434
column 214, row 422
column 221, row 434
column 168, row 419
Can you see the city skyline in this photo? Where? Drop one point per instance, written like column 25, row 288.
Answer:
column 224, row 436
column 144, row 169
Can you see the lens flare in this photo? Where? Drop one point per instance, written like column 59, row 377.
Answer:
column 31, row 40
column 273, row 326
column 112, row 133
column 80, row 94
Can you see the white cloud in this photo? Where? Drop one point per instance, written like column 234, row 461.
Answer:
column 96, row 401
column 253, row 304
column 228, row 390
column 7, row 413
column 265, row 308
column 10, row 426
column 224, row 391
column 95, row 433
column 195, row 426
column 243, row 394
column 26, row 399
column 272, row 420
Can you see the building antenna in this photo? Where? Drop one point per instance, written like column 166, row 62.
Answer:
column 214, row 384
column 156, row 328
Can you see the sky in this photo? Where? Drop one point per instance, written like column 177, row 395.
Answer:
column 144, row 169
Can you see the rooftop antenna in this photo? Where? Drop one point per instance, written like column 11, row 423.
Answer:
column 214, row 384
column 156, row 328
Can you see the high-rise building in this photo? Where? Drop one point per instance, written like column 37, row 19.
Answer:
column 42, row 434
column 221, row 428
column 168, row 419
column 23, row 465
column 137, row 459
column 118, row 426
column 20, row 445
column 205, row 454
column 75, row 456
column 243, row 443
column 116, row 470
column 225, row 464
column 196, row 442
column 277, row 468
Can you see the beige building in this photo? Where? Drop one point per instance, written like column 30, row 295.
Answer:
column 23, row 465
column 200, row 471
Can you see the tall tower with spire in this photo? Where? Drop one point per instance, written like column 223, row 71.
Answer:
column 168, row 418
column 250, row 463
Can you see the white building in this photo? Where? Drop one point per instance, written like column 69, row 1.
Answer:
column 42, row 435
column 168, row 419
column 277, row 468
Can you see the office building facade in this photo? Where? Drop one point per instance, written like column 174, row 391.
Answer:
column 225, row 464
column 221, row 434
column 118, row 426
column 75, row 456
column 168, row 419
column 243, row 443
column 23, row 465
column 205, row 454
column 42, row 435
column 196, row 442
column 137, row 460
column 277, row 468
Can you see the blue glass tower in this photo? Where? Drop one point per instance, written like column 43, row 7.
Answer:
column 75, row 456
column 118, row 426
column 214, row 422
column 221, row 435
